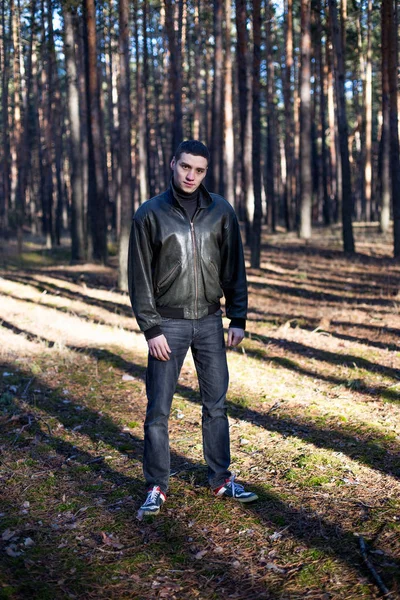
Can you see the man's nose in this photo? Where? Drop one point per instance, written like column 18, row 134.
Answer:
column 190, row 175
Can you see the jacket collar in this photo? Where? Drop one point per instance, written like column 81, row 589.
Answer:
column 204, row 201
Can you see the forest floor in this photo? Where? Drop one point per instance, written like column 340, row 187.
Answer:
column 314, row 408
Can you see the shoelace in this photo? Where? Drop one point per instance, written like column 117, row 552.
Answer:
column 152, row 496
column 235, row 486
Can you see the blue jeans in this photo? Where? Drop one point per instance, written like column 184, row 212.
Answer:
column 205, row 337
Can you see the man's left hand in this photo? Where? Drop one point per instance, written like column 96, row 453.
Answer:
column 235, row 336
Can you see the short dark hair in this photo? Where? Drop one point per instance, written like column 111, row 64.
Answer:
column 192, row 147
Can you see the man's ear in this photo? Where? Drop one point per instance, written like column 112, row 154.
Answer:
column 172, row 163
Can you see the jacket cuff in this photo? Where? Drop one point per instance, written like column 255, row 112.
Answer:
column 240, row 323
column 152, row 332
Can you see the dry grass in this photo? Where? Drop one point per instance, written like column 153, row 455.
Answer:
column 314, row 413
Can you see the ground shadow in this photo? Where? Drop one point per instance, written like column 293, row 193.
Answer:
column 371, row 452
column 313, row 530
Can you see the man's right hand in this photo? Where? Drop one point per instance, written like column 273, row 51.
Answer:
column 158, row 347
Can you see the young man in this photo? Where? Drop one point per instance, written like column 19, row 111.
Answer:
column 186, row 253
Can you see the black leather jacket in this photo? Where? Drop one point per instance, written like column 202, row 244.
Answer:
column 182, row 268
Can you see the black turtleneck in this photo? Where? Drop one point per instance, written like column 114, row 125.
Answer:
column 188, row 201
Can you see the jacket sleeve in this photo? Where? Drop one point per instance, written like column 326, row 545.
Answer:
column 140, row 280
column 233, row 272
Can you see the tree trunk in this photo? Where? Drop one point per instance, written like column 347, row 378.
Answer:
column 305, row 124
column 5, row 195
column 321, row 60
column 271, row 130
column 256, row 137
column 46, row 140
column 368, row 118
column 77, row 185
column 217, row 119
column 25, row 150
column 141, row 119
column 229, row 143
column 16, row 137
column 385, row 140
column 389, row 15
column 125, row 145
column 97, row 248
column 289, row 126
column 175, row 76
column 246, row 205
column 347, row 200
column 54, row 118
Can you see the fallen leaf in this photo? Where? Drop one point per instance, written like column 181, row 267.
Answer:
column 8, row 534
column 109, row 540
column 200, row 554
column 29, row 542
column 275, row 568
column 12, row 551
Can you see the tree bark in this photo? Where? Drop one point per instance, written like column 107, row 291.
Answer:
column 5, row 196
column 271, row 129
column 389, row 15
column 125, row 145
column 16, row 137
column 368, row 118
column 305, row 123
column 385, row 140
column 321, row 60
column 246, row 206
column 289, row 124
column 216, row 183
column 256, row 138
column 141, row 119
column 97, row 248
column 347, row 200
column 175, row 76
column 229, row 142
column 77, row 184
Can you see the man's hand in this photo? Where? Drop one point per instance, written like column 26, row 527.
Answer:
column 235, row 336
column 158, row 347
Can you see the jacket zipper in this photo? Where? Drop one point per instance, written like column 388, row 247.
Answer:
column 195, row 264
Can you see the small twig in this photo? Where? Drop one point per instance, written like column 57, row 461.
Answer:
column 21, row 431
column 111, row 551
column 274, row 407
column 2, row 462
column 24, row 393
column 371, row 567
column 95, row 460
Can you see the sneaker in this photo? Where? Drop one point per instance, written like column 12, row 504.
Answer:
column 230, row 489
column 154, row 501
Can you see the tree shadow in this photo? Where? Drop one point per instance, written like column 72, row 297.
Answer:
column 73, row 312
column 346, row 360
column 315, row 531
column 316, row 251
column 333, row 283
column 170, row 540
column 316, row 296
column 371, row 452
column 115, row 308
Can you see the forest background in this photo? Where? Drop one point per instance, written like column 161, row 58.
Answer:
column 297, row 101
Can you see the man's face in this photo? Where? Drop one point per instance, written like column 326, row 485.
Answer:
column 189, row 171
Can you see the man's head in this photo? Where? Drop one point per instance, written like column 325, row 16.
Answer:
column 189, row 165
